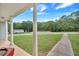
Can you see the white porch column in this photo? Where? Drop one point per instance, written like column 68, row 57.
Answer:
column 11, row 23
column 35, row 41
column 6, row 24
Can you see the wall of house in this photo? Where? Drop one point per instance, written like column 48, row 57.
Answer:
column 3, row 30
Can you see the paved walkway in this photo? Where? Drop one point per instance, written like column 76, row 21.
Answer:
column 62, row 48
column 18, row 51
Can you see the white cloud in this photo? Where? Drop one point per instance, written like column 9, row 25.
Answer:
column 31, row 9
column 67, row 13
column 64, row 5
column 40, row 13
column 42, row 7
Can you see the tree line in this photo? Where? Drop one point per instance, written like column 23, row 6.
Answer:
column 64, row 23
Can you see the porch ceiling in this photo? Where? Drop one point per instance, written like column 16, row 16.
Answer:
column 12, row 9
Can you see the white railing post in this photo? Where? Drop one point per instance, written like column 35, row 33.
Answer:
column 35, row 41
column 11, row 23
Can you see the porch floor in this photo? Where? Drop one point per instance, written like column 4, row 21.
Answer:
column 18, row 51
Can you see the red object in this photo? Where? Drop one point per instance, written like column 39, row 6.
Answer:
column 8, row 51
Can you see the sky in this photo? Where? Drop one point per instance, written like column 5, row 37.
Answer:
column 48, row 12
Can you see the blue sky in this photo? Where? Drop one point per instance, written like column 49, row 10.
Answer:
column 48, row 11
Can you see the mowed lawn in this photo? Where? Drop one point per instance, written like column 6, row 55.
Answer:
column 74, row 38
column 45, row 42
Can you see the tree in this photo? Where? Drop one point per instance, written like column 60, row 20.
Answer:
column 17, row 25
column 27, row 26
column 64, row 23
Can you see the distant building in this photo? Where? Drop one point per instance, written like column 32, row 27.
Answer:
column 18, row 31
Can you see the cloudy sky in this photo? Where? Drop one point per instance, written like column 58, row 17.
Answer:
column 48, row 11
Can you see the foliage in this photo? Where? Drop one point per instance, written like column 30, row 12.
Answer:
column 64, row 23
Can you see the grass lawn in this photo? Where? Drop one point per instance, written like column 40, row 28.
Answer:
column 45, row 42
column 74, row 38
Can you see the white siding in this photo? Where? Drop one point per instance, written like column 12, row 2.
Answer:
column 3, row 30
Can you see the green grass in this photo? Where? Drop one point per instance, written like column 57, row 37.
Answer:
column 74, row 38
column 45, row 42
